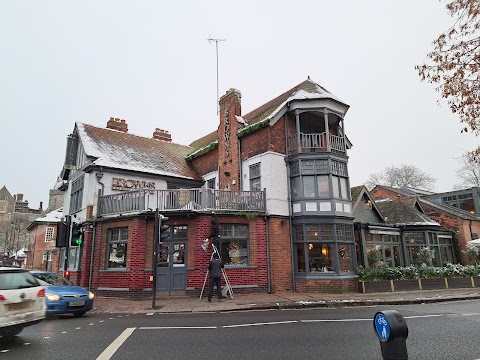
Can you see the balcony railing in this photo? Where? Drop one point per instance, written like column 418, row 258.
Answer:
column 315, row 142
column 182, row 199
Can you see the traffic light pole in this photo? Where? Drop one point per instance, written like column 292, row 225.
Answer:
column 154, row 257
column 69, row 227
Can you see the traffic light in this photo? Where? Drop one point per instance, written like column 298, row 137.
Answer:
column 66, row 274
column 77, row 235
column 164, row 229
column 63, row 233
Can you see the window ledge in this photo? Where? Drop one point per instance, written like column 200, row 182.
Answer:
column 114, row 270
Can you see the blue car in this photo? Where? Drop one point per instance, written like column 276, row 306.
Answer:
column 62, row 297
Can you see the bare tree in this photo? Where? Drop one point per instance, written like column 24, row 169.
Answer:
column 454, row 65
column 468, row 173
column 403, row 175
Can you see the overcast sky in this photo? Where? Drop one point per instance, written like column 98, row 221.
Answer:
column 149, row 62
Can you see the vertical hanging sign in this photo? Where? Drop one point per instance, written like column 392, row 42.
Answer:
column 71, row 154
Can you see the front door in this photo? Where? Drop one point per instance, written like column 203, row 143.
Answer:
column 171, row 267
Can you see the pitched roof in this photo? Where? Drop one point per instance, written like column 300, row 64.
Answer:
column 451, row 210
column 119, row 150
column 356, row 190
column 400, row 212
column 306, row 90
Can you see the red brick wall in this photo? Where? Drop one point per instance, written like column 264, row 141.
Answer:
column 327, row 286
column 243, row 279
column 228, row 161
column 38, row 245
column 280, row 254
column 206, row 163
column 382, row 193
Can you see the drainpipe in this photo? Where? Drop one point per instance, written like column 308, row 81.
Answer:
column 269, row 283
column 99, row 176
column 297, row 121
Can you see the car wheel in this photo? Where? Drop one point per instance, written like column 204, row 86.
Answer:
column 79, row 314
column 10, row 333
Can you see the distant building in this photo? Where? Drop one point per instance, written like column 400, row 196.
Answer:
column 42, row 253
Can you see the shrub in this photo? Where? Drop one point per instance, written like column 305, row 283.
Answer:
column 416, row 272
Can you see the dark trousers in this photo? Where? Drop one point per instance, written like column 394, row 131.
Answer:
column 218, row 282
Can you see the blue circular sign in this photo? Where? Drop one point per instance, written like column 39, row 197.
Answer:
column 382, row 326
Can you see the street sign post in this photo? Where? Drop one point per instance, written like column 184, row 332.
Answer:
column 392, row 331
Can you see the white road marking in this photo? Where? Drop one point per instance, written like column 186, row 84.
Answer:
column 335, row 320
column 64, row 332
column 175, row 327
column 424, row 316
column 78, row 328
column 110, row 318
column 101, row 320
column 115, row 345
column 149, row 314
column 46, row 337
column 259, row 324
column 4, row 351
column 27, row 344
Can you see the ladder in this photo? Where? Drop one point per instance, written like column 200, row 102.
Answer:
column 227, row 282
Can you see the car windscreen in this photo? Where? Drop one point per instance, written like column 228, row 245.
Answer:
column 10, row 280
column 52, row 279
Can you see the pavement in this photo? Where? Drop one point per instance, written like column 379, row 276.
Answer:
column 283, row 300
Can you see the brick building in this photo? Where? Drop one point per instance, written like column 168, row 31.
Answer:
column 277, row 178
column 42, row 253
column 463, row 225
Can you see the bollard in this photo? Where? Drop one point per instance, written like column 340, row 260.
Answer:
column 392, row 331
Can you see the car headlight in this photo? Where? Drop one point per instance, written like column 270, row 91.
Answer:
column 90, row 295
column 52, row 297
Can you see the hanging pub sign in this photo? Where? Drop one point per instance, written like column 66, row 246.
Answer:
column 128, row 184
column 71, row 155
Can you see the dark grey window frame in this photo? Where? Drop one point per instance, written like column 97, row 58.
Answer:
column 117, row 239
column 255, row 175
column 76, row 194
column 228, row 233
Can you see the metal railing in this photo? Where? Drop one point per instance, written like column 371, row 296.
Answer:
column 315, row 142
column 181, row 200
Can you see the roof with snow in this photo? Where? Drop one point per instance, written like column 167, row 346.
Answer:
column 118, row 150
column 51, row 217
column 307, row 90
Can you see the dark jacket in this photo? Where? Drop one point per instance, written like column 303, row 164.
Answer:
column 215, row 267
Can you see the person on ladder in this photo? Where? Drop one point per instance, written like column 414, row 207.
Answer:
column 215, row 232
column 215, row 269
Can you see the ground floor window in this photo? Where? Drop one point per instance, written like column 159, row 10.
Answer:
column 324, row 249
column 73, row 261
column 383, row 250
column 117, row 248
column 234, row 244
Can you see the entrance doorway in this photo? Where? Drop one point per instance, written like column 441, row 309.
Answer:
column 171, row 267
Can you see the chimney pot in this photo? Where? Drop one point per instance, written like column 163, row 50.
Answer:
column 123, row 121
column 117, row 119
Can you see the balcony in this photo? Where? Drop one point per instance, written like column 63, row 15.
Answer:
column 182, row 200
column 316, row 142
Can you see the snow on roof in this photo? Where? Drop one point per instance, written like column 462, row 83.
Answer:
column 51, row 217
column 119, row 150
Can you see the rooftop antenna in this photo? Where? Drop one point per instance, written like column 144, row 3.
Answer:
column 210, row 40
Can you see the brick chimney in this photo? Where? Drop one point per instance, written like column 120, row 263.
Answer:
column 228, row 163
column 160, row 134
column 117, row 124
column 19, row 197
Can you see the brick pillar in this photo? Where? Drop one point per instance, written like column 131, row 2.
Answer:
column 228, row 162
column 196, row 277
column 137, row 253
column 86, row 255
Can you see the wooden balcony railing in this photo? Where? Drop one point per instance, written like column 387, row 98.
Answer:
column 315, row 142
column 181, row 200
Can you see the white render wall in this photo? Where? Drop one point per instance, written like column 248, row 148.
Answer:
column 91, row 187
column 211, row 175
column 273, row 172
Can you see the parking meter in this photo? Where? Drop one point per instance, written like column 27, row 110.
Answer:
column 392, row 331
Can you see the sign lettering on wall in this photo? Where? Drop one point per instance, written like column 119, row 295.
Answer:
column 128, row 184
column 71, row 155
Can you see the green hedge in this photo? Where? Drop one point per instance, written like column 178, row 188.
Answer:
column 417, row 272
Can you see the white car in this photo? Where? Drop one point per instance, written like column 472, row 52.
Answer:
column 22, row 301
